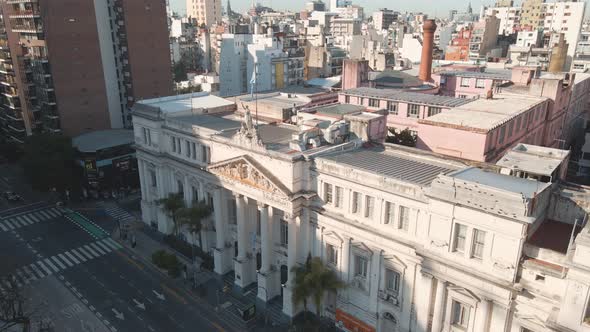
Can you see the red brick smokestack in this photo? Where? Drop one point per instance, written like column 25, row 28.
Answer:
column 427, row 44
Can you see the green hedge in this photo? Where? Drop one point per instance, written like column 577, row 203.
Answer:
column 168, row 262
column 185, row 249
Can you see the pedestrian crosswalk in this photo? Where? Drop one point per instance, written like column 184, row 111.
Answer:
column 29, row 218
column 60, row 262
column 119, row 213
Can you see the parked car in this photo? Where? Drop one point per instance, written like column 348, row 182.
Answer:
column 12, row 196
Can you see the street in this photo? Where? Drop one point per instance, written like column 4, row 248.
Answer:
column 86, row 281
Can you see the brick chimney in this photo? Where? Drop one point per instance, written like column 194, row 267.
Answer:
column 427, row 44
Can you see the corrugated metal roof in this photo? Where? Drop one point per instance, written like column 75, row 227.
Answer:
column 389, row 164
column 409, row 97
column 495, row 75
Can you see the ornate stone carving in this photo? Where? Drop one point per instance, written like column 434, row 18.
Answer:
column 248, row 135
column 244, row 172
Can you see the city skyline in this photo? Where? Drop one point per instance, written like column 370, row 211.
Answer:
column 370, row 6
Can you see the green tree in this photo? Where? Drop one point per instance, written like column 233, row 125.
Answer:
column 404, row 137
column 49, row 162
column 180, row 71
column 172, row 205
column 314, row 279
column 193, row 218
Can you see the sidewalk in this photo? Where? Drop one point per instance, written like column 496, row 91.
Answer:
column 210, row 288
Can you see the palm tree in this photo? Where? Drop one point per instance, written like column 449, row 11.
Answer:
column 314, row 279
column 172, row 205
column 193, row 217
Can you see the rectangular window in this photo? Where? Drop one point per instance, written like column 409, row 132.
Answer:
column 153, row 178
column 479, row 239
column 193, row 151
column 210, row 201
column 389, row 213
column 413, row 111
column 180, row 187
column 204, row 153
column 369, row 206
column 188, row 149
column 145, row 135
column 392, row 107
column 518, row 123
column 433, row 110
column 195, row 193
column 404, row 218
column 339, row 192
column 460, row 315
column 328, row 193
column 460, row 235
column 373, row 102
column 465, row 82
column 178, row 145
column 258, row 223
column 356, row 202
column 173, row 143
column 360, row 266
column 233, row 212
column 284, row 233
column 347, row 99
column 480, row 84
column 510, row 128
column 332, row 254
column 502, row 134
column 392, row 281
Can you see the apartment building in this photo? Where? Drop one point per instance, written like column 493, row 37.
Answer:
column 206, row 12
column 566, row 18
column 74, row 69
column 509, row 18
column 424, row 243
column 484, row 37
column 532, row 14
column 383, row 18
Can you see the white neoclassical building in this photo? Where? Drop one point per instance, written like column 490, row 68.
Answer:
column 424, row 243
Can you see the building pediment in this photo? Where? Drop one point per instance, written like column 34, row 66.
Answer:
column 246, row 171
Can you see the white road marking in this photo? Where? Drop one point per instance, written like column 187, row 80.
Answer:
column 79, row 255
column 36, row 270
column 58, row 262
column 4, row 228
column 48, row 262
column 85, row 253
column 104, row 246
column 32, row 216
column 91, row 251
column 47, row 270
column 67, row 253
column 10, row 226
column 63, row 258
column 97, row 248
column 109, row 240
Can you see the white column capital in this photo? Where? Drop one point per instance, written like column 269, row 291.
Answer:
column 261, row 206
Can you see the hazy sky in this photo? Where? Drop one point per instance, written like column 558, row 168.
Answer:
column 442, row 6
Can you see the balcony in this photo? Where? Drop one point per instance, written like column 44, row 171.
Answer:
column 27, row 28
column 13, row 2
column 25, row 13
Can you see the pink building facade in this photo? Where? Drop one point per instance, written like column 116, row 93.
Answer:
column 404, row 108
column 485, row 129
column 468, row 84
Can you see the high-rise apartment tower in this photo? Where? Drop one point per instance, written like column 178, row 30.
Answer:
column 74, row 66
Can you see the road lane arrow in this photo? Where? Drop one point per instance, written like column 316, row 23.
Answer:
column 160, row 296
column 118, row 314
column 139, row 304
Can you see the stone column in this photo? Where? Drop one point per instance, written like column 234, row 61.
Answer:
column 483, row 315
column 165, row 225
column 242, row 266
column 439, row 303
column 265, row 245
column 222, row 263
column 140, row 166
column 345, row 259
column 187, row 192
column 288, row 308
column 265, row 241
column 423, row 301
